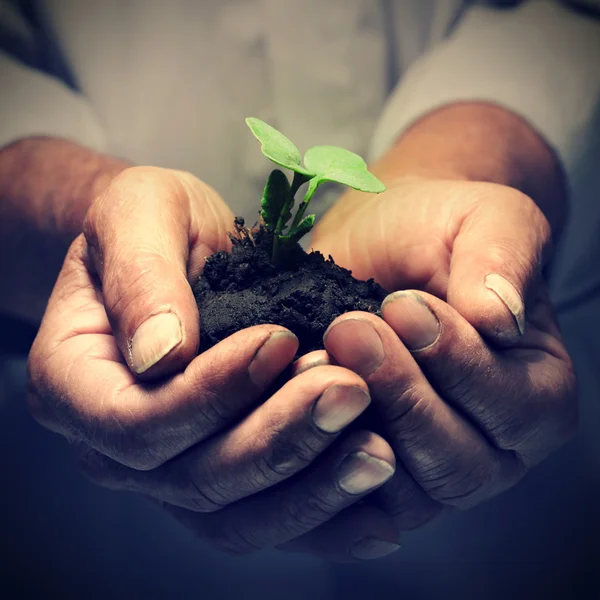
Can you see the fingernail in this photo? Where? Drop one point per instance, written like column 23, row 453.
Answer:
column 361, row 472
column 153, row 340
column 416, row 325
column 356, row 345
column 266, row 364
column 509, row 295
column 338, row 406
column 371, row 548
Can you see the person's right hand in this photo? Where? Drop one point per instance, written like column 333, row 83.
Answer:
column 114, row 369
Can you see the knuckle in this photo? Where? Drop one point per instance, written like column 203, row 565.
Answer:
column 285, row 447
column 206, row 495
column 287, row 457
column 134, row 273
column 458, row 376
column 218, row 400
column 466, row 487
column 509, row 254
column 109, row 214
column 408, row 413
column 313, row 509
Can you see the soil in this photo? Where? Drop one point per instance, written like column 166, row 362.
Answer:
column 244, row 288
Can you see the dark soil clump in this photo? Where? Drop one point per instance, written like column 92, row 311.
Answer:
column 244, row 288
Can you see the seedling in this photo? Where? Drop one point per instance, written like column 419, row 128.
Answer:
column 321, row 163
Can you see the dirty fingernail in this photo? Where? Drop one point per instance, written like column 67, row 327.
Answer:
column 371, row 548
column 356, row 345
column 267, row 363
column 361, row 472
column 338, row 406
column 153, row 340
column 415, row 323
column 509, row 295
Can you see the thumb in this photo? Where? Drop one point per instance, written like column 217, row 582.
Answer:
column 138, row 241
column 497, row 260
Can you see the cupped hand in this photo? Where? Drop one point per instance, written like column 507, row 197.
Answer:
column 480, row 246
column 466, row 420
column 114, row 369
column 471, row 383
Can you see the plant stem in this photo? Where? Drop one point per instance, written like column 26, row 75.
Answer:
column 277, row 255
column 298, row 180
column 312, row 187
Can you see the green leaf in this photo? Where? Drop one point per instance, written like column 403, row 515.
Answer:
column 331, row 163
column 276, row 147
column 295, row 234
column 276, row 192
column 305, row 226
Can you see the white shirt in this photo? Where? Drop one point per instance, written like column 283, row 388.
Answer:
column 169, row 84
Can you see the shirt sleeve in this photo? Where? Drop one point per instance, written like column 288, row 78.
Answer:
column 538, row 60
column 33, row 101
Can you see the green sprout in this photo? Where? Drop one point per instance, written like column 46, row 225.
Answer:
column 321, row 163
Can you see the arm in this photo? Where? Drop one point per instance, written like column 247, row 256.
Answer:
column 46, row 187
column 475, row 141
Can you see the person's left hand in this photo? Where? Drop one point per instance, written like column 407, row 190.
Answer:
column 466, row 414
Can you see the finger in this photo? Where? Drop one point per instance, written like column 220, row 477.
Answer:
column 79, row 386
column 361, row 532
column 497, row 257
column 342, row 476
column 406, row 502
column 445, row 454
column 279, row 439
column 522, row 398
column 317, row 358
column 139, row 234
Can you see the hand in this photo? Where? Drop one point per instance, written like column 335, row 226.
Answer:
column 465, row 420
column 114, row 369
column 479, row 246
column 474, row 198
column 465, row 417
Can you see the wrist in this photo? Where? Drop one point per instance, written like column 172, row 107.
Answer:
column 46, row 187
column 48, row 184
column 480, row 142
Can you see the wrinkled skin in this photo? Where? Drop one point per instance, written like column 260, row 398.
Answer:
column 464, row 416
column 467, row 404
